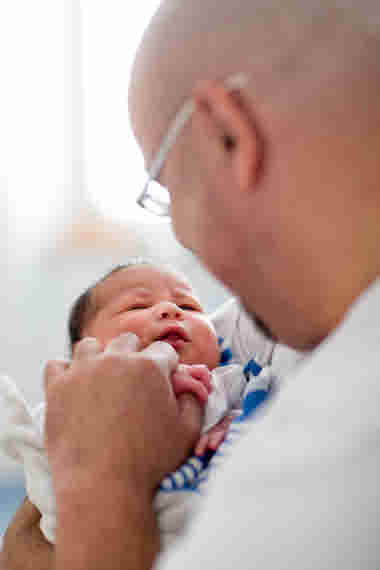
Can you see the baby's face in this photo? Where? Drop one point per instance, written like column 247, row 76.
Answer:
column 155, row 304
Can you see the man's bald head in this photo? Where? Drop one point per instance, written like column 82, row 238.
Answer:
column 289, row 217
column 287, row 47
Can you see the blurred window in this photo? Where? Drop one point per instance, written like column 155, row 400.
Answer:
column 65, row 137
column 32, row 115
column 114, row 172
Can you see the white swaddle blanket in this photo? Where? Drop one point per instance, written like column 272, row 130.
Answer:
column 21, row 437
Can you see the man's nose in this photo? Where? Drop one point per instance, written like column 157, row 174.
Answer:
column 167, row 310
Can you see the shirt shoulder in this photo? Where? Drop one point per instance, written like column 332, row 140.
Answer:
column 301, row 487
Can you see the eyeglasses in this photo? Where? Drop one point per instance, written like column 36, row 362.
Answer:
column 154, row 197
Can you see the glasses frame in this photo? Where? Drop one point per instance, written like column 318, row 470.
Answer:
column 145, row 199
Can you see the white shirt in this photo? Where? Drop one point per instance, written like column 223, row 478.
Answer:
column 301, row 488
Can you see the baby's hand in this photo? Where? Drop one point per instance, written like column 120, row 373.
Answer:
column 196, row 379
column 215, row 436
column 193, row 378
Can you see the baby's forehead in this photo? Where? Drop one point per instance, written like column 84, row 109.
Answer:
column 140, row 278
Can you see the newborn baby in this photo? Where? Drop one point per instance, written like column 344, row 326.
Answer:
column 156, row 304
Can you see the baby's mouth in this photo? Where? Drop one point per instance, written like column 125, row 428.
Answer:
column 175, row 338
column 171, row 337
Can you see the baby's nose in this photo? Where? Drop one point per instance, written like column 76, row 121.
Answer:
column 169, row 310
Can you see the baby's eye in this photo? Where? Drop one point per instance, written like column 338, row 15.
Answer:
column 189, row 308
column 137, row 307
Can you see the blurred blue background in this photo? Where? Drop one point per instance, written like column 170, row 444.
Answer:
column 12, row 493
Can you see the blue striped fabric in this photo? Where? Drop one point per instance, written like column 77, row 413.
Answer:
column 251, row 402
column 187, row 477
column 252, row 368
column 195, row 471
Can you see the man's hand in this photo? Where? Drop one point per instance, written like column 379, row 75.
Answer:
column 114, row 428
column 24, row 546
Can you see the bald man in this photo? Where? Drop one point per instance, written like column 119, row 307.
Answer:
column 275, row 185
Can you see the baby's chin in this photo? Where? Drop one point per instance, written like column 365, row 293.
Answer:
column 211, row 361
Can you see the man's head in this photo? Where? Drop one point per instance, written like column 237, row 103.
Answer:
column 274, row 187
column 152, row 302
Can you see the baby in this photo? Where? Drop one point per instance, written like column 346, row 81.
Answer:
column 160, row 305
column 156, row 304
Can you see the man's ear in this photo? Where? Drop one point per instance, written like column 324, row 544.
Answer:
column 229, row 121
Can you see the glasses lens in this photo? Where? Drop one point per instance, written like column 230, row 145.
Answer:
column 156, row 199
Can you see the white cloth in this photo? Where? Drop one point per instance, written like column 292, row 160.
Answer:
column 247, row 341
column 240, row 333
column 22, row 440
column 228, row 383
column 21, row 437
column 301, row 490
column 175, row 505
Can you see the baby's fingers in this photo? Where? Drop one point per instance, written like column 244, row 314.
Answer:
column 201, row 373
column 202, row 445
column 183, row 383
column 215, row 436
column 215, row 440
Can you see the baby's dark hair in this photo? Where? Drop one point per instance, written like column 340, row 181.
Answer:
column 84, row 305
